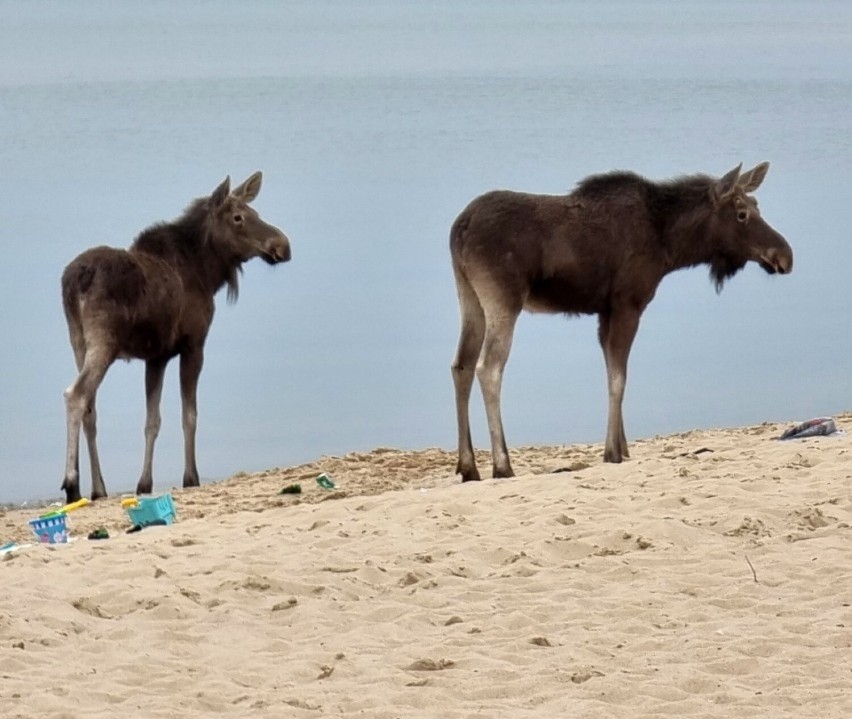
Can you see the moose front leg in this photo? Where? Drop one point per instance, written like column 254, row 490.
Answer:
column 191, row 362
column 617, row 330
column 154, row 372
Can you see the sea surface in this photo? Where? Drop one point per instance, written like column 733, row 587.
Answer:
column 375, row 124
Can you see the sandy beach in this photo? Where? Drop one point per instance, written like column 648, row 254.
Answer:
column 709, row 576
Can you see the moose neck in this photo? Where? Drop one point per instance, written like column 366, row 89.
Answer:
column 215, row 267
column 683, row 210
column 186, row 245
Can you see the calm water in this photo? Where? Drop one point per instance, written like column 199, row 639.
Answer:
column 374, row 125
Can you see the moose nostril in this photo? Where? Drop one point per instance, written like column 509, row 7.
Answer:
column 278, row 248
column 780, row 260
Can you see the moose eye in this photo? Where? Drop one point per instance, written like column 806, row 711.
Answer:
column 238, row 219
column 742, row 215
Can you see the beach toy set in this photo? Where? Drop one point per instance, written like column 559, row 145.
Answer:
column 52, row 527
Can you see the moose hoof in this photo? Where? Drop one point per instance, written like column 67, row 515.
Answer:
column 467, row 469
column 72, row 496
column 504, row 473
column 468, row 474
column 613, row 457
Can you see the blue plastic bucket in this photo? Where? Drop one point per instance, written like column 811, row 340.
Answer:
column 50, row 530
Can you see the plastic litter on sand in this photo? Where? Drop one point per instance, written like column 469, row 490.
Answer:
column 325, row 481
column 818, row 427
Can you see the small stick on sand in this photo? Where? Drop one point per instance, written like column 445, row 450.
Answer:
column 752, row 568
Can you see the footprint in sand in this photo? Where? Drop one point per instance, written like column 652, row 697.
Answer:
column 289, row 604
column 811, row 518
column 430, row 665
column 409, row 579
column 578, row 466
column 749, row 525
column 193, row 596
column 299, row 704
column 583, row 675
column 183, row 542
column 88, row 606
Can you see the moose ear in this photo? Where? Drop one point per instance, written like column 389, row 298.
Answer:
column 220, row 194
column 249, row 189
column 726, row 185
column 751, row 180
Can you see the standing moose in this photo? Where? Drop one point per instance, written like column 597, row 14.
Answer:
column 602, row 249
column 153, row 302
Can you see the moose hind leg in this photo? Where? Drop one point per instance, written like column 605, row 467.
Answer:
column 90, row 420
column 73, row 419
column 464, row 370
column 499, row 330
column 90, row 427
column 79, row 400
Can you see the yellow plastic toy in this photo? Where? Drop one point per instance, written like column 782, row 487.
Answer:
column 67, row 508
column 75, row 505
